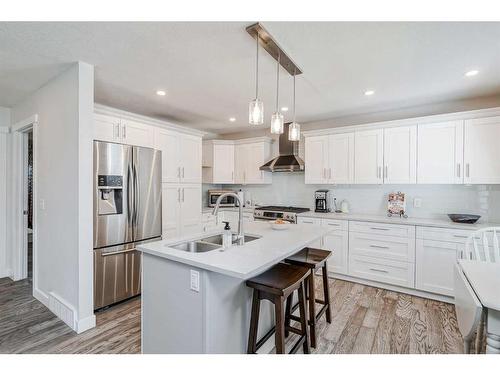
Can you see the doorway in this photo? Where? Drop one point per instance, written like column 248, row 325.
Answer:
column 24, row 210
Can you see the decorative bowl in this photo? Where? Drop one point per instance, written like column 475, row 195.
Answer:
column 464, row 218
column 280, row 225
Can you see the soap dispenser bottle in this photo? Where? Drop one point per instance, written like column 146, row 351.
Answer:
column 227, row 237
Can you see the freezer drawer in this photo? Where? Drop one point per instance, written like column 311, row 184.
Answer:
column 117, row 274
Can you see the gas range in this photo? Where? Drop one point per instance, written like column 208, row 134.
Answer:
column 278, row 212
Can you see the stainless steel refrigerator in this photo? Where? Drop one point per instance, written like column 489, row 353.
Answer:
column 127, row 211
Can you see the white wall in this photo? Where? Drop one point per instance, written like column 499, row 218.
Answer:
column 63, row 274
column 437, row 200
column 4, row 126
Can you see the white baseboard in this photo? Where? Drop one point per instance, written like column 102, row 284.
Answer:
column 41, row 296
column 5, row 273
column 413, row 292
column 85, row 324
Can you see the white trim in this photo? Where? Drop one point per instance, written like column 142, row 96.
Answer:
column 24, row 124
column 465, row 115
column 41, row 296
column 399, row 289
column 5, row 273
column 85, row 324
column 110, row 111
column 239, row 141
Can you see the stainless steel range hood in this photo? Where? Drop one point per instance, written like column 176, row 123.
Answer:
column 288, row 159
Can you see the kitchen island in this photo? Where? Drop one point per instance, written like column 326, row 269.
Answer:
column 198, row 302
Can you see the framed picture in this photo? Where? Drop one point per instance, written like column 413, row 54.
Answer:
column 396, row 204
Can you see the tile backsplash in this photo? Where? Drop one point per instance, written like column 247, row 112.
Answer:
column 436, row 200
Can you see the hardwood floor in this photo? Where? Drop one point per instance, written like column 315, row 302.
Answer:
column 365, row 320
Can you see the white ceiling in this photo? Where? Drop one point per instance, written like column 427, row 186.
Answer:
column 207, row 69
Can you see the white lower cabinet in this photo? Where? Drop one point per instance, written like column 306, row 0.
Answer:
column 181, row 209
column 382, row 270
column 336, row 241
column 436, row 254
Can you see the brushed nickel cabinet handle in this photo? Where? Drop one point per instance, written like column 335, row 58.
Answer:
column 117, row 130
column 375, row 228
column 182, row 172
column 124, row 135
column 467, row 170
column 307, row 222
column 378, row 270
column 178, row 195
column 379, row 247
column 183, row 195
column 458, row 170
column 386, row 172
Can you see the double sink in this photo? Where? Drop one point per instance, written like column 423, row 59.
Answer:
column 208, row 243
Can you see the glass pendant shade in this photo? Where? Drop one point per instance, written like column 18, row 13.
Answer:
column 294, row 132
column 277, row 123
column 256, row 112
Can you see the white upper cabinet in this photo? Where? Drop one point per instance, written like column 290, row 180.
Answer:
column 400, row 155
column 106, row 128
column 218, row 162
column 482, row 151
column 113, row 129
column 316, row 159
column 368, row 156
column 137, row 134
column 341, row 159
column 440, row 153
column 181, row 156
column 248, row 158
column 329, row 159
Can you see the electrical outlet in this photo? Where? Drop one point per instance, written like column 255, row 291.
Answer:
column 195, row 281
column 417, row 202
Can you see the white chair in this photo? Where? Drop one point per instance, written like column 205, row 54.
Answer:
column 482, row 246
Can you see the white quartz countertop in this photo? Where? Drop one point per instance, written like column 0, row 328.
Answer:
column 440, row 223
column 244, row 261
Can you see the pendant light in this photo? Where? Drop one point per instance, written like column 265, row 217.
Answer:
column 294, row 128
column 256, row 106
column 277, row 120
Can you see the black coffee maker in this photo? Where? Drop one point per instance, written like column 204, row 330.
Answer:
column 321, row 201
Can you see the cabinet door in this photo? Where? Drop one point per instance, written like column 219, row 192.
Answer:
column 400, row 155
column 168, row 143
column 316, row 159
column 255, row 158
column 434, row 266
column 190, row 209
column 240, row 162
column 368, row 156
column 481, row 151
column 341, row 159
column 190, row 159
column 223, row 164
column 170, row 201
column 337, row 243
column 106, row 128
column 440, row 153
column 137, row 134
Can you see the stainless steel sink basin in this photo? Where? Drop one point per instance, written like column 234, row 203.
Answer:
column 217, row 239
column 196, row 246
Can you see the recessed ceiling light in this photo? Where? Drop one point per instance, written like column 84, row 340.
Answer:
column 471, row 73
column 369, row 92
column 284, row 109
column 232, row 119
column 161, row 93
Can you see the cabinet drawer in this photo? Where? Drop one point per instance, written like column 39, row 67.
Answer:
column 385, row 229
column 443, row 234
column 308, row 220
column 335, row 224
column 386, row 247
column 382, row 270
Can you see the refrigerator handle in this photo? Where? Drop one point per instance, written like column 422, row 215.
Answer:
column 130, row 195
column 136, row 193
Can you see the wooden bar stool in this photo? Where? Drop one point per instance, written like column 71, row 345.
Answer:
column 313, row 259
column 275, row 285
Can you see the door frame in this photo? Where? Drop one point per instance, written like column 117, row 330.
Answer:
column 19, row 225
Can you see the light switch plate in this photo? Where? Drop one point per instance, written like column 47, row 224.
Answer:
column 195, row 281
